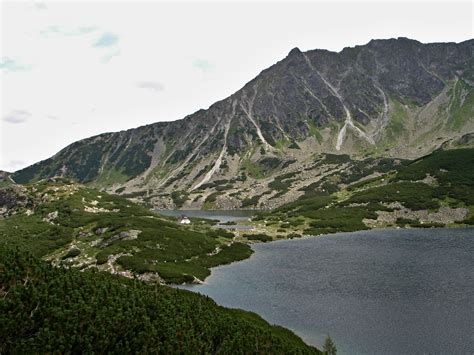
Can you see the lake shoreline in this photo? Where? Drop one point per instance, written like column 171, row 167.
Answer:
column 278, row 264
column 309, row 236
column 250, row 232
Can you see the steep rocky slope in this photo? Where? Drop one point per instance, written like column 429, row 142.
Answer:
column 395, row 98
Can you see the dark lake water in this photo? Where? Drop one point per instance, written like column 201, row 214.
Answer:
column 375, row 292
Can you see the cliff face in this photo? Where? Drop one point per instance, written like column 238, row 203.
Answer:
column 394, row 98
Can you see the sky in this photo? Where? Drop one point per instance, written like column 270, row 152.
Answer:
column 71, row 70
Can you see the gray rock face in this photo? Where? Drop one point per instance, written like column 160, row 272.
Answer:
column 14, row 198
column 50, row 217
column 395, row 97
column 125, row 235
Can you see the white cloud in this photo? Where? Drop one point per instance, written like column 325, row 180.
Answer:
column 10, row 64
column 203, row 64
column 150, row 85
column 17, row 116
column 106, row 40
column 110, row 55
column 67, row 31
column 39, row 5
column 14, row 165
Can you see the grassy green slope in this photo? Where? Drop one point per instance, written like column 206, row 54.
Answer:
column 45, row 309
column 461, row 106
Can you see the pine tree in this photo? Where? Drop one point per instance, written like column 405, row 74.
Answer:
column 329, row 347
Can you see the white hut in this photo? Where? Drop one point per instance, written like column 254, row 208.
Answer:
column 184, row 220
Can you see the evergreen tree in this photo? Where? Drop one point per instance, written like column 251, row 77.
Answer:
column 44, row 309
column 329, row 347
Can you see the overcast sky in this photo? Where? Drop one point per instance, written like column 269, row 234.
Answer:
column 71, row 70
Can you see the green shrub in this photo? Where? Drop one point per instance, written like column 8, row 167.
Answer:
column 259, row 237
column 60, row 310
column 179, row 198
column 416, row 196
column 73, row 252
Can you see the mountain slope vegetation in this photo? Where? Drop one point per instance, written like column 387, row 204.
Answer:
column 74, row 226
column 434, row 191
column 46, row 309
column 83, row 271
column 78, row 227
column 82, row 231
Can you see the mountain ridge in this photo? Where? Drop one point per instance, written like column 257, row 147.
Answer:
column 393, row 98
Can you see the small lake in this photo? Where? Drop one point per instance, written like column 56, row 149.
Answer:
column 375, row 292
column 222, row 215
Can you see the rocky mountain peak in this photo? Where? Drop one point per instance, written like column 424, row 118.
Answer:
column 294, row 51
column 388, row 98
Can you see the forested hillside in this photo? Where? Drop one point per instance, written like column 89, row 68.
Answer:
column 53, row 310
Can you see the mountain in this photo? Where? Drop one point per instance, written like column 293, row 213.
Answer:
column 5, row 179
column 388, row 99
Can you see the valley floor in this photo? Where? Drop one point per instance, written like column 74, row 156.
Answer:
column 77, row 227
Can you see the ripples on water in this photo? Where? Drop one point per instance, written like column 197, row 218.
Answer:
column 376, row 292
